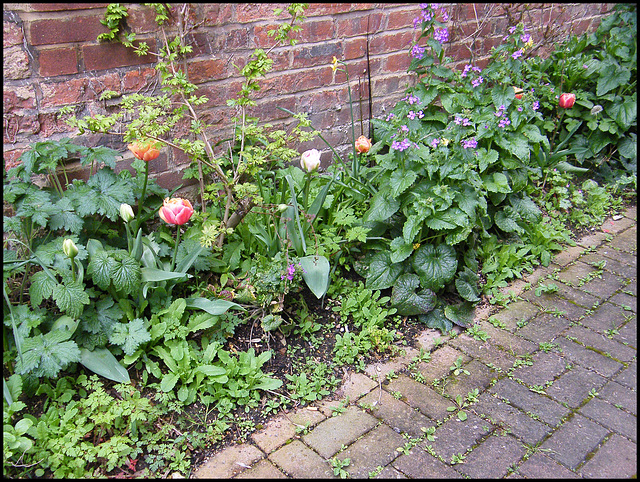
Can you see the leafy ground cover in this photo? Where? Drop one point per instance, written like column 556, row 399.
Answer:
column 142, row 329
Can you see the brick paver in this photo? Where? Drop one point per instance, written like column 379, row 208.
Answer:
column 583, row 425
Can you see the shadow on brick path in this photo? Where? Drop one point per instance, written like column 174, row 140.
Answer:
column 556, row 381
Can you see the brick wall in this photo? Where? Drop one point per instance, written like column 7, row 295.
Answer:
column 51, row 59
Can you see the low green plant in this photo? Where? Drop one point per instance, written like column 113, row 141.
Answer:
column 457, row 367
column 339, row 467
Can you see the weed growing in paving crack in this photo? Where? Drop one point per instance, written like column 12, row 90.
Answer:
column 396, row 395
column 457, row 368
column 457, row 458
column 429, row 433
column 375, row 472
column 478, row 334
column 418, row 377
column 554, row 312
column 409, row 444
column 472, row 397
column 546, row 289
column 547, row 346
column 340, row 408
column 522, row 323
column 497, row 323
column 338, row 467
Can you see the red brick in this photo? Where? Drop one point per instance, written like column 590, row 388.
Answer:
column 199, row 43
column 289, row 83
column 402, row 18
column 216, row 14
column 159, row 164
column 268, row 109
column 316, row 54
column 320, row 101
column 359, row 25
column 55, row 7
column 135, row 80
column 105, row 82
column 397, row 62
column 15, row 63
column 64, row 30
column 206, row 70
column 316, row 31
column 317, row 9
column 12, row 157
column 51, row 124
column 390, row 42
column 11, row 34
column 112, row 55
column 354, row 48
column 250, row 12
column 142, row 20
column 18, row 97
column 58, row 61
column 56, row 94
column 171, row 180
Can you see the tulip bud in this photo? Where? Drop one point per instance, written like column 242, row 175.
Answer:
column 126, row 212
column 283, row 207
column 363, row 144
column 567, row 100
column 310, row 160
column 69, row 248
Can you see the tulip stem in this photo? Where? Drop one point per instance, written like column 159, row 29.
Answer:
column 175, row 249
column 144, row 192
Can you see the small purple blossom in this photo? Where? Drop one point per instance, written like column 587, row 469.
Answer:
column 411, row 115
column 412, row 99
column 441, row 35
column 457, row 120
column 585, row 66
column 435, row 142
column 390, row 116
column 512, row 29
column 536, row 105
column 517, row 53
column 291, row 270
column 504, row 122
column 402, row 145
column 417, row 52
column 404, row 128
column 420, row 114
column 466, row 70
column 476, row 69
column 470, row 143
column 477, row 82
column 519, row 108
column 525, row 38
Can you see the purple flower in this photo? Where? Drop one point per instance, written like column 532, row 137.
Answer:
column 519, row 108
column 504, row 122
column 467, row 68
column 435, row 142
column 412, row 99
column 471, row 143
column 441, row 35
column 420, row 114
column 411, row 115
column 536, row 105
column 517, row 53
column 417, row 52
column 457, row 120
column 476, row 69
column 390, row 116
column 404, row 128
column 291, row 269
column 512, row 29
column 477, row 82
column 401, row 146
column 525, row 38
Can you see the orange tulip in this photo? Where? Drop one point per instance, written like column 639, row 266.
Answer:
column 176, row 211
column 363, row 144
column 144, row 150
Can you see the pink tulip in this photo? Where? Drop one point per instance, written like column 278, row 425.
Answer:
column 363, row 144
column 567, row 100
column 176, row 211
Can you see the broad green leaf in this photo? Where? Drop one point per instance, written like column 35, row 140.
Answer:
column 628, row 147
column 460, row 314
column 266, row 383
column 502, row 94
column 624, row 113
column 485, row 159
column 400, row 249
column 315, row 272
column 100, row 267
column 66, row 323
column 213, row 307
column 448, row 219
column 526, row 208
column 532, row 132
column 382, row 272
column 412, row 226
column 125, row 274
column 213, row 371
column 564, row 166
column 497, row 182
column 383, row 206
column 505, row 221
column 612, row 76
column 467, row 285
column 41, row 288
column 400, row 181
column 435, row 265
column 436, row 319
column 407, row 301
column 271, row 322
column 102, row 362
column 168, row 382
column 65, row 217
column 185, row 263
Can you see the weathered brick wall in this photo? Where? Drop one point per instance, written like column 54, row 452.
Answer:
column 52, row 59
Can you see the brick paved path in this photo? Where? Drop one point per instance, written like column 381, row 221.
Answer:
column 556, row 381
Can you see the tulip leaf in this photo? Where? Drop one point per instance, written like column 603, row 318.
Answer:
column 154, row 275
column 102, row 362
column 316, row 274
column 213, row 307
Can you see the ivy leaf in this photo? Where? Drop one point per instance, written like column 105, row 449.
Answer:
column 382, row 272
column 46, row 355
column 467, row 285
column 407, row 301
column 130, row 335
column 70, row 298
column 435, row 319
column 460, row 314
column 435, row 265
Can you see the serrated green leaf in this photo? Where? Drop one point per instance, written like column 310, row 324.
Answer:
column 383, row 206
column 505, row 221
column 612, row 75
column 129, row 335
column 400, row 181
column 100, row 267
column 126, row 274
column 435, row 265
column 497, row 182
column 400, row 249
column 70, row 298
column 41, row 288
column 467, row 285
column 382, row 272
column 407, row 301
column 526, row 208
column 46, row 355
